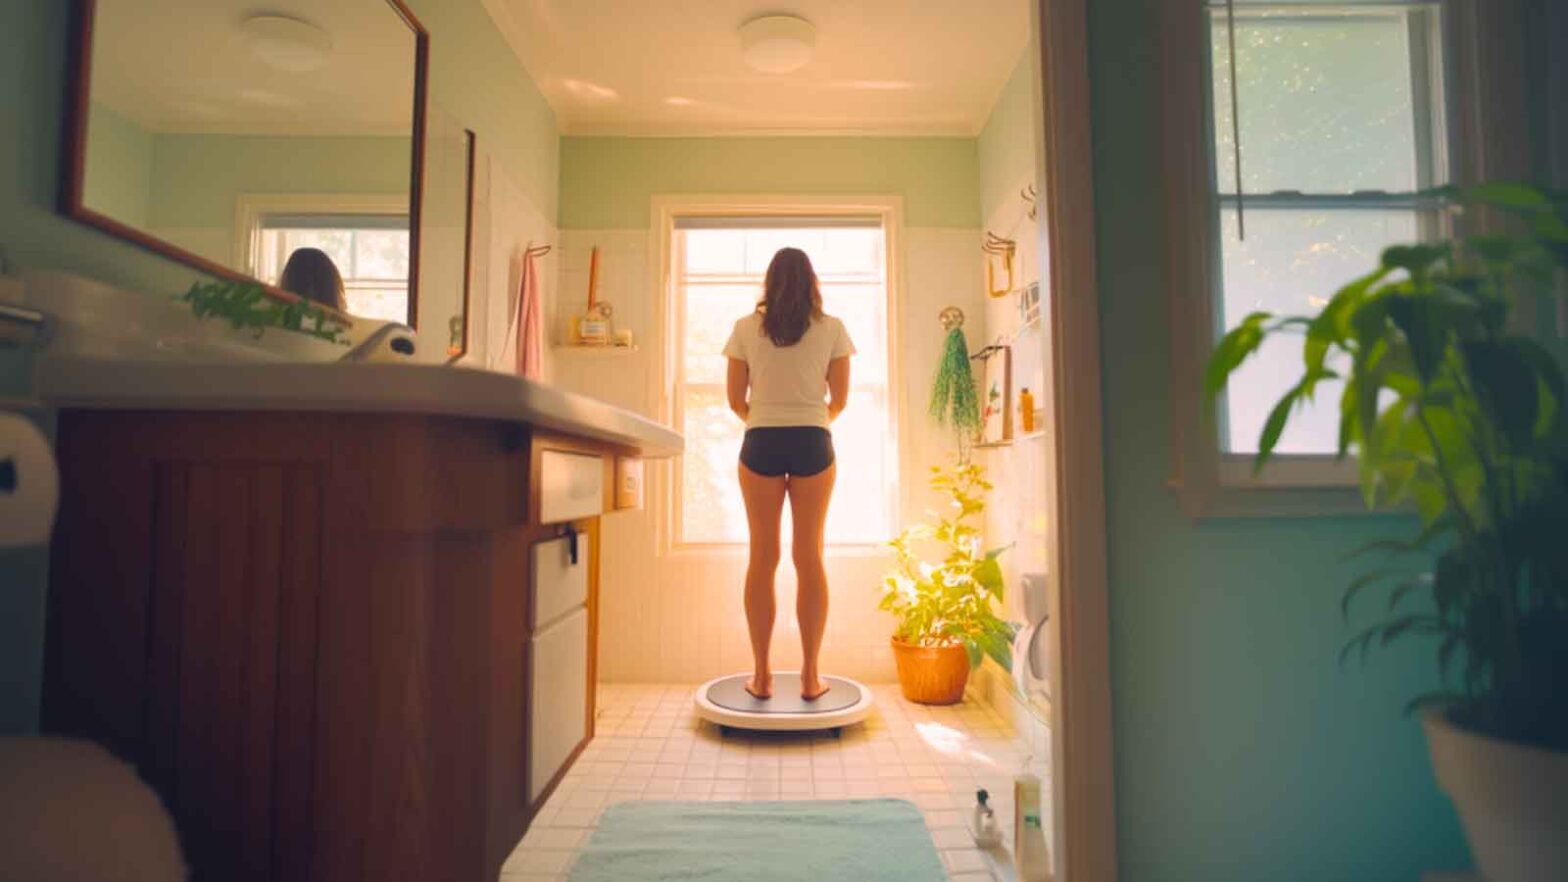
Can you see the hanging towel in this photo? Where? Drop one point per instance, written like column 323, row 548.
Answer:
column 529, row 324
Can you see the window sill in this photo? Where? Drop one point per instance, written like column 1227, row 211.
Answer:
column 1305, row 472
column 1288, row 487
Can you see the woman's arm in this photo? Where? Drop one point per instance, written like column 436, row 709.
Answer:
column 739, row 381
column 838, row 386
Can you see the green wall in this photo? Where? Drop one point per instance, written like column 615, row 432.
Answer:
column 474, row 77
column 606, row 183
column 120, row 158
column 1243, row 751
column 1007, row 143
column 198, row 178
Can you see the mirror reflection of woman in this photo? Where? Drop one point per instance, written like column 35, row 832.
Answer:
column 788, row 379
column 311, row 274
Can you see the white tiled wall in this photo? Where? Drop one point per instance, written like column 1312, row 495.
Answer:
column 506, row 224
column 676, row 615
column 1021, row 507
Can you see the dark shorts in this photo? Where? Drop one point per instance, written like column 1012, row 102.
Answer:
column 800, row 451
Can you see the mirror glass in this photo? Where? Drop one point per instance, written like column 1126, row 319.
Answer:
column 271, row 143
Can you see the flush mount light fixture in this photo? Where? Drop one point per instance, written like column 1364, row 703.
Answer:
column 590, row 91
column 287, row 44
column 778, row 44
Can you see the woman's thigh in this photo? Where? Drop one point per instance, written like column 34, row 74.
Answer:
column 808, row 507
column 764, row 497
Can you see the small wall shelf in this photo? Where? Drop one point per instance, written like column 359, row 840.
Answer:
column 596, row 350
column 1008, row 442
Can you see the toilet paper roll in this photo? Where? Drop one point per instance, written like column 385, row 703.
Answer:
column 29, row 483
column 1025, row 673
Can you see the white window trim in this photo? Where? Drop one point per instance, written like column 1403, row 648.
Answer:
column 1207, row 482
column 250, row 208
column 664, row 210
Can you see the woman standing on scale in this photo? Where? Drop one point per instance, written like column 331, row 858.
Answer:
column 788, row 379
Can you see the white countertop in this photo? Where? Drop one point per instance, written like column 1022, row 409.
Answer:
column 112, row 384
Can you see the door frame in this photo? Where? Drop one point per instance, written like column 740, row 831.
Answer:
column 1082, row 755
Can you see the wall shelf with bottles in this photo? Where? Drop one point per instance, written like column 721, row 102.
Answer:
column 595, row 350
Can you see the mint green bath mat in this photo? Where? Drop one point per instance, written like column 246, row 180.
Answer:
column 853, row 841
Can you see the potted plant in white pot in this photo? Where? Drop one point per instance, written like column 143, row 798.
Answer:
column 946, row 621
column 1449, row 411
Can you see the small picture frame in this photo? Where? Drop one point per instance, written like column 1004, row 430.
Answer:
column 1029, row 305
column 996, row 397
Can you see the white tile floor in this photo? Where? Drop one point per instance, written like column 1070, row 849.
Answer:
column 649, row 745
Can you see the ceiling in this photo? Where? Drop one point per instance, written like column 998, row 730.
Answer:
column 183, row 66
column 674, row 67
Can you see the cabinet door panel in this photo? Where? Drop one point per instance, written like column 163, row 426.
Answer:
column 235, row 547
column 558, row 683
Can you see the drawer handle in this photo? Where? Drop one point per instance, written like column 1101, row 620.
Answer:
column 571, row 543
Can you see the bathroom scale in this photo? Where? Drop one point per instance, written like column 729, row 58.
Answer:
column 726, row 703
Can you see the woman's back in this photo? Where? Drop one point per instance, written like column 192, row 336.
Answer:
column 788, row 383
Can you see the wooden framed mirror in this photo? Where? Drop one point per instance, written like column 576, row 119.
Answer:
column 448, row 238
column 279, row 144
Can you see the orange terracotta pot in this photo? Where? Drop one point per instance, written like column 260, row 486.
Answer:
column 931, row 674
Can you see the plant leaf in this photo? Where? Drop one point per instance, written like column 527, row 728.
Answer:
column 1234, row 348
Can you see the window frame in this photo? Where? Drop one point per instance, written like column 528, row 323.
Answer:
column 666, row 210
column 1207, row 480
column 252, row 209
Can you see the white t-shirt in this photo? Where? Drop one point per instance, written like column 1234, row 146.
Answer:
column 789, row 384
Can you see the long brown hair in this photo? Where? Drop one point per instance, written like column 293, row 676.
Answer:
column 791, row 299
column 311, row 274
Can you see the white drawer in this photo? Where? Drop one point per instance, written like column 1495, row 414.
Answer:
column 559, row 584
column 558, row 686
column 571, row 486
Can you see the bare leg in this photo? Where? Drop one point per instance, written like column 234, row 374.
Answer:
column 808, row 506
column 764, row 508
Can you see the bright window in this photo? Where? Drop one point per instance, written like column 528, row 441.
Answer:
column 717, row 267
column 371, row 253
column 1341, row 125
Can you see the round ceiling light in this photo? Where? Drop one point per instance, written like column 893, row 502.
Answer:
column 287, row 44
column 778, row 44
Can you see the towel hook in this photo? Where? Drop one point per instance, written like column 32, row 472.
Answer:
column 1005, row 249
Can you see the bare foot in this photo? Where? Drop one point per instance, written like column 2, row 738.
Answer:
column 811, row 690
column 760, row 687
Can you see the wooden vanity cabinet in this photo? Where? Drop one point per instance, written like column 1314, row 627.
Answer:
column 308, row 632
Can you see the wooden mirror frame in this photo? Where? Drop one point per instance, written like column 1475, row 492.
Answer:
column 471, row 145
column 78, row 89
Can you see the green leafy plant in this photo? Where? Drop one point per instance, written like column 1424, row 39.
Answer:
column 1450, row 412
column 247, row 305
column 951, row 602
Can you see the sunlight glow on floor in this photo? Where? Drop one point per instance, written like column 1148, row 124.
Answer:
column 950, row 742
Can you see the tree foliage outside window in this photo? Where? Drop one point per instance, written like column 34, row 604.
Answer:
column 1341, row 125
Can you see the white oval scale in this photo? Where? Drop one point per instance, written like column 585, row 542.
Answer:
column 724, row 701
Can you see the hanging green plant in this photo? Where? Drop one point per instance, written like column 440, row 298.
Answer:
column 247, row 305
column 954, row 400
